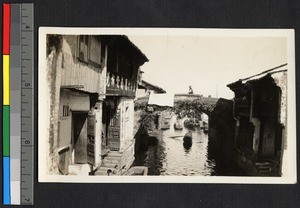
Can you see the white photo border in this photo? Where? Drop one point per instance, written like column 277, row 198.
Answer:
column 289, row 165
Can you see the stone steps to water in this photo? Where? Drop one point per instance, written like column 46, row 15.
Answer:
column 107, row 160
column 116, row 161
column 112, row 158
column 111, row 165
column 114, row 153
column 103, row 170
column 110, row 162
column 100, row 172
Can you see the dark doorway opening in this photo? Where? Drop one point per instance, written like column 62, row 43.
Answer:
column 79, row 142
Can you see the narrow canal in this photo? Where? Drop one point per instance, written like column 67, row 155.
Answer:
column 170, row 158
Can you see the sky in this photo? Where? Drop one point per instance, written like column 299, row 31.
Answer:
column 207, row 64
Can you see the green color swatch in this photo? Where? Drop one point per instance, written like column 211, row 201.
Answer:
column 6, row 130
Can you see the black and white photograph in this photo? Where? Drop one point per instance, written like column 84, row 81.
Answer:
column 164, row 105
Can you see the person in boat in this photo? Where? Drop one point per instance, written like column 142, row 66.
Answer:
column 187, row 140
column 189, row 134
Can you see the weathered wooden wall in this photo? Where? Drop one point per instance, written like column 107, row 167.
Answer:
column 76, row 72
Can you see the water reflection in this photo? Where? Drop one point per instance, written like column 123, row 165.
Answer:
column 220, row 164
column 171, row 157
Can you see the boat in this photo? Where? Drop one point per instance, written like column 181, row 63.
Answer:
column 188, row 140
column 137, row 170
column 191, row 123
column 178, row 125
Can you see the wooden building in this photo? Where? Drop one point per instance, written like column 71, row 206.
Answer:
column 260, row 113
column 92, row 81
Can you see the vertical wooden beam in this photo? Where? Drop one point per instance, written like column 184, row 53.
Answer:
column 98, row 133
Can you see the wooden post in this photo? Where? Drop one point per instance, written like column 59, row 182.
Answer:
column 98, row 133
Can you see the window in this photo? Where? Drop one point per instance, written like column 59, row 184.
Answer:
column 83, row 48
column 89, row 50
column 94, row 50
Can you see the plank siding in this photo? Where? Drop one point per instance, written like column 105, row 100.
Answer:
column 76, row 72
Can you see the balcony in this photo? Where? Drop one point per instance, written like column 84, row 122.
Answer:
column 120, row 86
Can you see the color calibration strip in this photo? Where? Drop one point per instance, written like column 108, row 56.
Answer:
column 6, row 104
column 18, row 104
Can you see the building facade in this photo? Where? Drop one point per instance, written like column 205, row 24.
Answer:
column 260, row 112
column 92, row 81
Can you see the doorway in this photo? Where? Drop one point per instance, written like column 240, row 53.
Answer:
column 111, row 121
column 79, row 137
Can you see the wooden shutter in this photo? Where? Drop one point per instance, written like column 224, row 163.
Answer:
column 95, row 51
column 83, row 48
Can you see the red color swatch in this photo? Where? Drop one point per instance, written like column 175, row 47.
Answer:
column 6, row 29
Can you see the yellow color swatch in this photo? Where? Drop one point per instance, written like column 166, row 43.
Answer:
column 5, row 79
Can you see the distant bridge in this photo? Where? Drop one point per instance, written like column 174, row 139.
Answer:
column 197, row 102
column 183, row 101
column 187, row 101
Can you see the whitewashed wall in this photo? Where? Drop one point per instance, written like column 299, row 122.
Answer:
column 76, row 102
column 126, row 106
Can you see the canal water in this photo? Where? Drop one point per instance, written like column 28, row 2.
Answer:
column 170, row 158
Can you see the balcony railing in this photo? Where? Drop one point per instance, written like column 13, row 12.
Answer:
column 118, row 85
